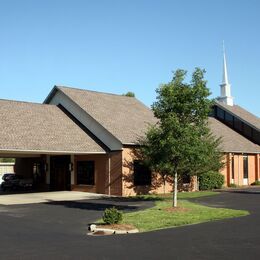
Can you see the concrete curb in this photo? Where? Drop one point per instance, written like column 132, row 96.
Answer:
column 106, row 231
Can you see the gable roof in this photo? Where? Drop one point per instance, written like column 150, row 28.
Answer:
column 231, row 140
column 126, row 118
column 241, row 113
column 41, row 128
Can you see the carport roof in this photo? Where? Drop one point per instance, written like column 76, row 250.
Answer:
column 42, row 128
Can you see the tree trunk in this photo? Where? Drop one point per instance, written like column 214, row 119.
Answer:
column 175, row 190
column 164, row 183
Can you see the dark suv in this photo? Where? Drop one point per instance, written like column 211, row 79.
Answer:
column 14, row 182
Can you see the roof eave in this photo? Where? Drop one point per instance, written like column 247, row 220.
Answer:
column 51, row 94
column 50, row 152
column 243, row 120
column 241, row 152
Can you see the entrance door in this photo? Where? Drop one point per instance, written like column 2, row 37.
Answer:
column 245, row 162
column 60, row 174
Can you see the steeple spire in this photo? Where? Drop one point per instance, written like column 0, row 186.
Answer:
column 225, row 74
column 225, row 96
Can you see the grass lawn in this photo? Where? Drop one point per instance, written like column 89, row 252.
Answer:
column 161, row 215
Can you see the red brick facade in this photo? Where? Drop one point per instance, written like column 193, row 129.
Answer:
column 234, row 171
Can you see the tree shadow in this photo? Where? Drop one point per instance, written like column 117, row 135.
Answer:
column 93, row 205
column 138, row 198
column 157, row 180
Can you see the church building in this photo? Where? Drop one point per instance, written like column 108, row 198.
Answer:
column 83, row 140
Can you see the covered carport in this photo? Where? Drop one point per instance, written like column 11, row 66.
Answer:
column 43, row 139
column 47, row 171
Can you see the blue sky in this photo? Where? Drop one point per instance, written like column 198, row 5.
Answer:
column 119, row 46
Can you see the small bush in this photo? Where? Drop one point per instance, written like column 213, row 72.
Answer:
column 256, row 183
column 112, row 216
column 232, row 185
column 211, row 180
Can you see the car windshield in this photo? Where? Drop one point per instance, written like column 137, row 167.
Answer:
column 8, row 176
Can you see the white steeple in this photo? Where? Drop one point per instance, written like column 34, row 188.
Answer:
column 225, row 96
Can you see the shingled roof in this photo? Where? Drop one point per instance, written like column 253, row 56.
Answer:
column 127, row 118
column 37, row 127
column 231, row 140
column 241, row 113
column 124, row 117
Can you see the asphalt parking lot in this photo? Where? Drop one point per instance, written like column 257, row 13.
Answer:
column 57, row 230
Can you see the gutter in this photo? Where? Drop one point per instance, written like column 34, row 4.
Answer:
column 46, row 152
column 241, row 152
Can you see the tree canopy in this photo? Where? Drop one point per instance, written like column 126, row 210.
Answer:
column 181, row 142
column 7, row 160
column 129, row 94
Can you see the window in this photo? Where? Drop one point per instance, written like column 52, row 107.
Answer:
column 256, row 136
column 220, row 113
column 247, row 131
column 245, row 161
column 233, row 168
column 38, row 173
column 86, row 172
column 229, row 119
column 238, row 125
column 142, row 174
column 186, row 178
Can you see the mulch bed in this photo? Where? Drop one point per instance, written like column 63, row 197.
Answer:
column 117, row 226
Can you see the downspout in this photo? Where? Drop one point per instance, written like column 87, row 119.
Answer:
column 258, row 167
column 109, row 174
column 238, row 169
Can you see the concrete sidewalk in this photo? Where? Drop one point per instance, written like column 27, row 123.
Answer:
column 41, row 197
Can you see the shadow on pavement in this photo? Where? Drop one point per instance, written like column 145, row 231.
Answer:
column 86, row 205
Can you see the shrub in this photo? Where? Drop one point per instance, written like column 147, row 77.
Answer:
column 256, row 183
column 112, row 216
column 232, row 185
column 211, row 180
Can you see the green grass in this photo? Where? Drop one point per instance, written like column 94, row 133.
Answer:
column 169, row 196
column 158, row 218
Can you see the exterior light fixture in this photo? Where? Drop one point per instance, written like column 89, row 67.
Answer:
column 46, row 167
column 71, row 167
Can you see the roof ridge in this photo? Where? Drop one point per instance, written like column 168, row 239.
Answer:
column 25, row 102
column 241, row 113
column 106, row 93
column 247, row 111
column 95, row 91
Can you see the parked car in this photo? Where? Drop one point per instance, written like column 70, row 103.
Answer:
column 5, row 176
column 15, row 182
column 2, row 175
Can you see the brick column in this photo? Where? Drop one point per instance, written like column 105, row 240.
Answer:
column 257, row 167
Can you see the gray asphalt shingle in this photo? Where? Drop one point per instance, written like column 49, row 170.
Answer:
column 37, row 127
column 124, row 117
column 241, row 113
column 127, row 118
column 231, row 140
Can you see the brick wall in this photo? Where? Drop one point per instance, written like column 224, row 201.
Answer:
column 100, row 173
column 158, row 184
column 253, row 169
column 106, row 182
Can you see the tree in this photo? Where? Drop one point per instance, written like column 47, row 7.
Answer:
column 181, row 141
column 7, row 160
column 129, row 94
